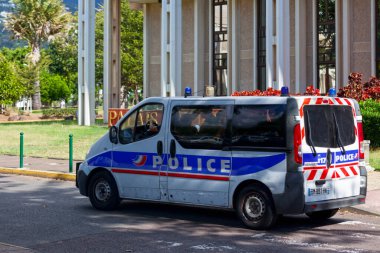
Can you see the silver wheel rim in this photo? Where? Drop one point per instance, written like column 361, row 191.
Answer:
column 254, row 207
column 102, row 191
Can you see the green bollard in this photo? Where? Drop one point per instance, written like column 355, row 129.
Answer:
column 70, row 153
column 21, row 150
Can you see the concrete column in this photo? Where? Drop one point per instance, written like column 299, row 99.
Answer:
column 199, row 45
column 112, row 64
column 86, row 62
column 339, row 44
column 283, row 43
column 165, row 51
column 373, row 37
column 270, row 42
column 175, row 48
column 300, row 45
column 235, row 56
column 146, row 51
column 315, row 45
column 346, row 41
column 254, row 46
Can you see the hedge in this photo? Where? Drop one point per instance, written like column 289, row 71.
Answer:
column 59, row 113
column 370, row 110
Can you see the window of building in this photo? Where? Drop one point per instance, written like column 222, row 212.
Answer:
column 326, row 38
column 259, row 126
column 199, row 127
column 143, row 123
column 378, row 38
column 220, row 46
column 261, row 45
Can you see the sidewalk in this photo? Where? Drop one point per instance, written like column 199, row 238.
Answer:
column 59, row 169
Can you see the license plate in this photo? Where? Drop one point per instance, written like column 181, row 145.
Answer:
column 319, row 191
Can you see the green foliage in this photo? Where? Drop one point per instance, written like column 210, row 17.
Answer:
column 59, row 113
column 10, row 88
column 53, row 88
column 131, row 34
column 63, row 54
column 370, row 110
column 37, row 21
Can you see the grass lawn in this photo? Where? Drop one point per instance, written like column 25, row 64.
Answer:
column 374, row 158
column 49, row 139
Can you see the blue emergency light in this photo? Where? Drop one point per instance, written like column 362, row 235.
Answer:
column 188, row 91
column 284, row 91
column 332, row 92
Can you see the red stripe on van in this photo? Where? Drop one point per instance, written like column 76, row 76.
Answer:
column 305, row 102
column 339, row 101
column 136, row 172
column 348, row 101
column 345, row 165
column 354, row 171
column 319, row 101
column 312, row 175
column 195, row 176
column 345, row 172
column 324, row 174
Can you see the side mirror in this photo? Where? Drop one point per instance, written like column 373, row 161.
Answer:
column 113, row 134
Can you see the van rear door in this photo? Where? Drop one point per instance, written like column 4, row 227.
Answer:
column 330, row 152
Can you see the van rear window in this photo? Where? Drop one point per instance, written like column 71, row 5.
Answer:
column 259, row 126
column 326, row 125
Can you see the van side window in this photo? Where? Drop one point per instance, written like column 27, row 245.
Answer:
column 143, row 123
column 199, row 127
column 259, row 126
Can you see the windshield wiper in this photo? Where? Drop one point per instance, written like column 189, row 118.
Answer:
column 338, row 136
column 309, row 134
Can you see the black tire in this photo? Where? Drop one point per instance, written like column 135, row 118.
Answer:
column 322, row 215
column 255, row 208
column 102, row 191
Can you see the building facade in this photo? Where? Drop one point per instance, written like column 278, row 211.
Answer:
column 256, row 44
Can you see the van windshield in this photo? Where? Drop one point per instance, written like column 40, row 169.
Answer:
column 329, row 125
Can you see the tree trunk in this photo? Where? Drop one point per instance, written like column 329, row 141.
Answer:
column 136, row 95
column 35, row 59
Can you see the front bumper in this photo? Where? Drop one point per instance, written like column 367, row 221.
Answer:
column 81, row 180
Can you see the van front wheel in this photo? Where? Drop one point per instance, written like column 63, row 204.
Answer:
column 322, row 215
column 103, row 192
column 255, row 208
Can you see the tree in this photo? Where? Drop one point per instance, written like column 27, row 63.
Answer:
column 37, row 21
column 131, row 52
column 10, row 87
column 53, row 88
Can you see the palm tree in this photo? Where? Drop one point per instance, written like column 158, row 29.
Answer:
column 37, row 21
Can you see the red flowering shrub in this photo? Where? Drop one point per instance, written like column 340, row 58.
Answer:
column 360, row 91
column 268, row 92
column 310, row 91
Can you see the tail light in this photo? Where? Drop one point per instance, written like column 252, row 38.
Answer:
column 297, row 141
column 361, row 139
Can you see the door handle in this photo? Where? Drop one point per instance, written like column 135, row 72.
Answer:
column 159, row 148
column 172, row 149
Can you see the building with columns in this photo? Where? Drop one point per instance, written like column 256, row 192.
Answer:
column 248, row 44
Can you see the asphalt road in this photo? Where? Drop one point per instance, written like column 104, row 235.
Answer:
column 41, row 215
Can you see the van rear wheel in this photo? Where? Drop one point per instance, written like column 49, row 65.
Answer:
column 102, row 191
column 322, row 215
column 255, row 208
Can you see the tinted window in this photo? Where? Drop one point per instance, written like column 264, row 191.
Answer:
column 199, row 127
column 325, row 125
column 143, row 123
column 259, row 126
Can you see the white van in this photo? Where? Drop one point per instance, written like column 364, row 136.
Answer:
column 262, row 156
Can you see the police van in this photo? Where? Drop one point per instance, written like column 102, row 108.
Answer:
column 262, row 156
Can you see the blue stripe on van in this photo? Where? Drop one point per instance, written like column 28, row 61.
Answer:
column 339, row 158
column 205, row 165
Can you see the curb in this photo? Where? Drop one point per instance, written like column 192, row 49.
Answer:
column 40, row 173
